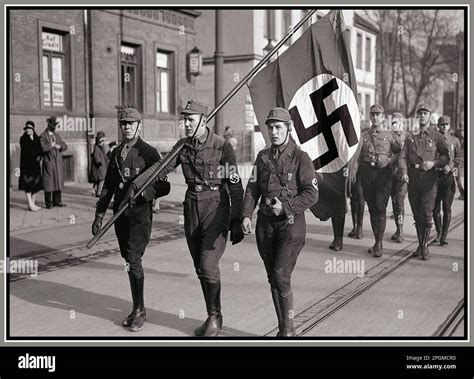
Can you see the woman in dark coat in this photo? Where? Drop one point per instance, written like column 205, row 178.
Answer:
column 99, row 163
column 30, row 169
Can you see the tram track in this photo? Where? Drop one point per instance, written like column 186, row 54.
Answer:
column 322, row 309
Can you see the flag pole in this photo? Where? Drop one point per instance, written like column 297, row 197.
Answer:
column 181, row 143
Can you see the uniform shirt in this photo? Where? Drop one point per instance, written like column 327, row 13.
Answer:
column 293, row 170
column 140, row 157
column 379, row 146
column 213, row 163
column 456, row 158
column 427, row 145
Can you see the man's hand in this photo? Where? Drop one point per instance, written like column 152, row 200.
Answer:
column 96, row 225
column 58, row 147
column 427, row 165
column 247, row 225
column 447, row 169
column 276, row 207
column 128, row 196
column 405, row 178
column 236, row 232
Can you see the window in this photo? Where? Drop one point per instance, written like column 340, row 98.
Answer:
column 287, row 24
column 131, row 76
column 367, row 105
column 359, row 51
column 53, row 62
column 164, row 82
column 368, row 53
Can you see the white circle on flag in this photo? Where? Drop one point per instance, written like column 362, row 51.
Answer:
column 317, row 146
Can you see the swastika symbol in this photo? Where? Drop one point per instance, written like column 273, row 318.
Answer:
column 324, row 124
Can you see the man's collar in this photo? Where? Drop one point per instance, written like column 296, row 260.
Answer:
column 131, row 142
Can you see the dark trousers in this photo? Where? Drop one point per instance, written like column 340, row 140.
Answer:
column 52, row 198
column 376, row 184
column 133, row 230
column 398, row 193
column 357, row 194
column 422, row 190
column 206, row 225
column 279, row 243
column 445, row 195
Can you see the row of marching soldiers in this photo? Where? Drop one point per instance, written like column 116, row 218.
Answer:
column 423, row 162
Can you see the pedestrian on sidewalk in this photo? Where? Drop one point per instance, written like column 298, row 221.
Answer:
column 425, row 151
column 53, row 166
column 460, row 177
column 112, row 147
column 30, row 165
column 133, row 227
column 399, row 186
column 447, row 182
column 99, row 163
column 379, row 152
column 284, row 182
column 210, row 170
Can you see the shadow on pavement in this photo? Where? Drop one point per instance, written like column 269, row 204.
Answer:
column 65, row 297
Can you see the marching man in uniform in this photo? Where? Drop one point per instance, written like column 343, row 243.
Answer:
column 379, row 151
column 133, row 227
column 284, row 181
column 424, row 152
column 210, row 170
column 447, row 183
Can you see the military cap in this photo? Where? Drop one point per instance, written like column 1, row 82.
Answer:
column 444, row 120
column 423, row 107
column 397, row 116
column 376, row 108
column 278, row 114
column 194, row 107
column 129, row 115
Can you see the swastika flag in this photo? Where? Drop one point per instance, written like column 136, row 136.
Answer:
column 314, row 79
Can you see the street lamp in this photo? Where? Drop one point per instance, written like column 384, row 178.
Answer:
column 195, row 62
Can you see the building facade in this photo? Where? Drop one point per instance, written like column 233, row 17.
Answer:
column 82, row 64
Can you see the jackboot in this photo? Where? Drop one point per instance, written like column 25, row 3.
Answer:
column 338, row 231
column 425, row 253
column 399, row 219
column 360, row 221
column 136, row 319
column 137, row 299
column 374, row 224
column 213, row 323
column 378, row 247
column 437, row 222
column 286, row 305
column 277, row 305
column 353, row 232
column 417, row 252
column 444, row 232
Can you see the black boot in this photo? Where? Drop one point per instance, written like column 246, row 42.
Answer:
column 276, row 303
column 338, row 231
column 136, row 319
column 378, row 247
column 286, row 305
column 444, row 232
column 417, row 252
column 213, row 323
column 360, row 220
column 353, row 232
column 399, row 218
column 437, row 222
column 425, row 253
column 373, row 224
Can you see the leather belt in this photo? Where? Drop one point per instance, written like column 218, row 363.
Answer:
column 203, row 187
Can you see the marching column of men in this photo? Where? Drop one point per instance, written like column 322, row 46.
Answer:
column 391, row 163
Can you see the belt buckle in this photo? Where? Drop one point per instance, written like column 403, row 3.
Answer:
column 417, row 165
column 198, row 187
